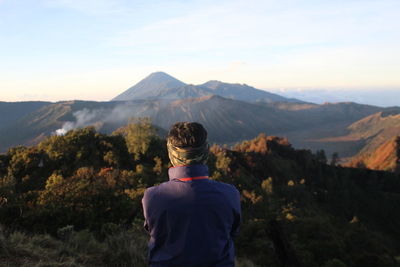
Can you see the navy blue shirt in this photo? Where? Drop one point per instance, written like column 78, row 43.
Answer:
column 191, row 220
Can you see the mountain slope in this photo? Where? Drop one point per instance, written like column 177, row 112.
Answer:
column 380, row 132
column 384, row 157
column 187, row 91
column 226, row 120
column 318, row 127
column 244, row 92
column 150, row 87
column 42, row 122
column 12, row 111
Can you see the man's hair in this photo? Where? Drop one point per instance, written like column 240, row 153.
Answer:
column 187, row 134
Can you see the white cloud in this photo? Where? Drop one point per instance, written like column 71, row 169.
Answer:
column 258, row 24
column 91, row 7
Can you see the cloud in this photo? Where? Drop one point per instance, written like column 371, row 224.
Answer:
column 239, row 25
column 90, row 7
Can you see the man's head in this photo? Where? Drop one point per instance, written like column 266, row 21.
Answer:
column 187, row 144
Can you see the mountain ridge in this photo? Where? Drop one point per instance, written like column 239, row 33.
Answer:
column 156, row 81
column 160, row 85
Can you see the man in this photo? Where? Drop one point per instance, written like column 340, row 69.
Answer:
column 191, row 219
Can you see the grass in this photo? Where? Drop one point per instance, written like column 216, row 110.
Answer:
column 120, row 248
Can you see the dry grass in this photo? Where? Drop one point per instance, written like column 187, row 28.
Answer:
column 121, row 248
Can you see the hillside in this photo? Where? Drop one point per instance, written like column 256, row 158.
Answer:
column 380, row 131
column 43, row 122
column 12, row 111
column 226, row 120
column 317, row 126
column 384, row 157
column 183, row 92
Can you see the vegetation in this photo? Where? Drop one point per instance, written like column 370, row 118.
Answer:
column 75, row 200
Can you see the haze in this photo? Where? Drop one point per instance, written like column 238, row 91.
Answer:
column 95, row 49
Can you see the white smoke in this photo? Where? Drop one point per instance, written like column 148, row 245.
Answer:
column 83, row 118
column 97, row 117
column 66, row 127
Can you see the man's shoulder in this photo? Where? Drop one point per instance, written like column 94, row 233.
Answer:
column 155, row 188
column 229, row 188
column 159, row 189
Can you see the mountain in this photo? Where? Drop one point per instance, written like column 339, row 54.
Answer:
column 380, row 132
column 227, row 120
column 317, row 127
column 187, row 91
column 42, row 122
column 385, row 157
column 244, row 92
column 160, row 85
column 12, row 111
column 149, row 87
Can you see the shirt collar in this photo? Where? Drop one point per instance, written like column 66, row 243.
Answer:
column 188, row 172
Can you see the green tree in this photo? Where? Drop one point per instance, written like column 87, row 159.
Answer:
column 139, row 137
column 88, row 199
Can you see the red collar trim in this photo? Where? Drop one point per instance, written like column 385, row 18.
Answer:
column 192, row 178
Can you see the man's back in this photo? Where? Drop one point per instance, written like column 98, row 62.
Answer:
column 192, row 220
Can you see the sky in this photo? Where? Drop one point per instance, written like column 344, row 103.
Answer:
column 95, row 49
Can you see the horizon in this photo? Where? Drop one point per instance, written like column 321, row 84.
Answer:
column 367, row 96
column 383, row 97
column 54, row 50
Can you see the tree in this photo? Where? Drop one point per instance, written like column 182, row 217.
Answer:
column 140, row 134
column 87, row 199
column 397, row 155
column 335, row 159
column 321, row 156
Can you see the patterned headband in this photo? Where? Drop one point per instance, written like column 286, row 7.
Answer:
column 180, row 156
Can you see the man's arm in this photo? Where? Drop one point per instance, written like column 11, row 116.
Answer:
column 237, row 215
column 145, row 204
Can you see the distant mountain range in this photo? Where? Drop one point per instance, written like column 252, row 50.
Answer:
column 160, row 85
column 383, row 97
column 230, row 112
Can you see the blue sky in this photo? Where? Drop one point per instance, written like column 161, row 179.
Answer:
column 95, row 49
